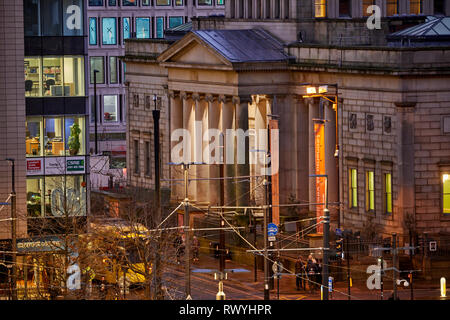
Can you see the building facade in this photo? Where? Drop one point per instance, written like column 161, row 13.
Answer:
column 110, row 24
column 384, row 144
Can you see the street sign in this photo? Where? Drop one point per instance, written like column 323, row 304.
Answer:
column 339, row 232
column 330, row 284
column 272, row 238
column 276, row 268
column 272, row 229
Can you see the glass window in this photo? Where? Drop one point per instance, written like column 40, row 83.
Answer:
column 415, row 6
column 370, row 191
column 97, row 64
column 32, row 22
column 159, row 27
column 439, row 7
column 162, row 2
column 143, row 28
column 388, row 193
column 96, row 3
column 112, row 3
column 175, row 21
column 320, row 8
column 33, row 77
column 35, row 192
column 446, row 192
column 52, row 76
column 51, row 19
column 110, row 107
column 73, row 17
column 75, row 195
column 147, row 158
column 126, row 28
column 113, row 70
column 180, row 2
column 392, row 7
column 109, row 31
column 93, row 31
column 353, row 188
column 366, row 4
column 146, row 2
column 344, row 8
column 136, row 156
column 220, row 2
column 73, row 76
column 54, row 196
column 204, row 2
column 65, row 195
column 54, row 136
column 34, row 132
column 126, row 3
column 75, row 132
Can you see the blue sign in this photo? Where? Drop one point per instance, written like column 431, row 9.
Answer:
column 339, row 232
column 272, row 229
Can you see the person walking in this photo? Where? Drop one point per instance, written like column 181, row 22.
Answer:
column 299, row 266
column 312, row 270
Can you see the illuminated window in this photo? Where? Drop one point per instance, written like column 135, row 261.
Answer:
column 446, row 192
column 392, row 7
column 370, row 191
column 220, row 2
column 388, row 193
column 179, row 2
column 146, row 2
column 320, row 8
column 415, row 6
column 34, row 136
column 439, row 7
column 163, row 2
column 110, row 108
column 205, row 2
column 366, row 4
column 353, row 188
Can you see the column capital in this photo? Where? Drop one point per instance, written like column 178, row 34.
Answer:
column 195, row 96
column 172, row 94
column 242, row 99
column 209, row 97
column 184, row 95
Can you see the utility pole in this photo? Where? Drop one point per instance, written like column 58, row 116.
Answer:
column 95, row 110
column 255, row 258
column 222, row 222
column 326, row 243
column 394, row 267
column 411, row 252
column 347, row 257
column 381, row 275
column 266, row 258
column 187, row 233
column 13, row 230
column 156, row 116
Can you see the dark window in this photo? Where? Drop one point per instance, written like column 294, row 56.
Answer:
column 96, row 3
column 439, row 7
column 127, row 3
column 136, row 156
column 147, row 158
column 344, row 8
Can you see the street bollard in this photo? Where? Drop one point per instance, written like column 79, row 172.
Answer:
column 220, row 295
column 443, row 288
column 321, row 292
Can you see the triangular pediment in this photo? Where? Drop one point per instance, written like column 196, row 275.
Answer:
column 190, row 50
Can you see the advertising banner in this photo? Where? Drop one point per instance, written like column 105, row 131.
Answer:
column 319, row 147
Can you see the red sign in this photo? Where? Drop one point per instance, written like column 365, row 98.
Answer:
column 34, row 166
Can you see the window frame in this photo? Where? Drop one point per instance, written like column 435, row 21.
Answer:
column 386, row 193
column 116, row 40
column 370, row 193
column 352, row 190
column 444, row 174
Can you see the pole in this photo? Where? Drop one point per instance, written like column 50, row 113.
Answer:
column 186, row 233
column 381, row 276
column 266, row 261
column 347, row 257
column 13, row 231
column 412, row 264
column 95, row 110
column 278, row 276
column 255, row 261
column 394, row 266
column 156, row 116
column 326, row 243
column 222, row 223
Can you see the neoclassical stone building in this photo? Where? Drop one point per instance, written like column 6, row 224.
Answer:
column 387, row 158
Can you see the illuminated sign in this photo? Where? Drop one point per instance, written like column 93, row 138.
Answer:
column 35, row 167
column 320, row 169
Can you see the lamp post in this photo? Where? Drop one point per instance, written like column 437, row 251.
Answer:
column 95, row 110
column 13, row 229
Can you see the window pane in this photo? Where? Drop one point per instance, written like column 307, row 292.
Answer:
column 415, row 6
column 446, row 193
column 54, row 136
column 136, row 156
column 126, row 28
column 73, row 17
column 75, row 132
column 204, row 2
column 93, row 31
column 52, row 77
column 35, row 201
column 112, row 3
column 129, row 3
column 439, row 6
column 175, row 21
column 162, row 2
column 34, row 133
column 95, row 2
column 180, row 2
column 366, row 4
column 147, row 158
column 143, row 28
column 159, row 27
column 31, row 18
column 145, row 2
column 97, row 64
column 75, row 195
column 392, row 7
column 320, row 8
column 220, row 2
column 109, row 31
column 388, row 192
column 33, row 77
column 110, row 108
column 113, row 69
column 54, row 196
column 73, row 76
column 51, row 18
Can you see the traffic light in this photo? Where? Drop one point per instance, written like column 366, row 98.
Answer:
column 339, row 248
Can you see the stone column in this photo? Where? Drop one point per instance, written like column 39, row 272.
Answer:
column 214, row 106
column 242, row 152
column 313, row 113
column 228, row 110
column 261, row 138
column 188, row 146
column 330, row 161
column 176, row 122
column 201, row 126
column 301, row 137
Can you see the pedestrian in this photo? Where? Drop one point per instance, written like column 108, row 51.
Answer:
column 103, row 289
column 312, row 270
column 195, row 248
column 299, row 266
